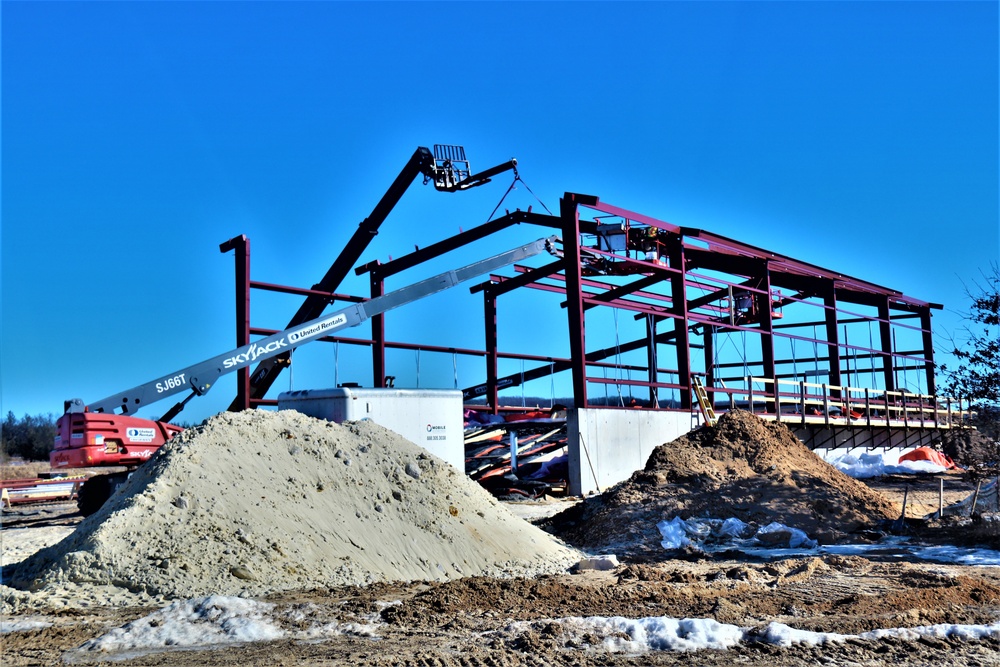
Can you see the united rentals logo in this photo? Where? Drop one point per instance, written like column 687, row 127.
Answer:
column 318, row 328
column 140, row 434
column 256, row 350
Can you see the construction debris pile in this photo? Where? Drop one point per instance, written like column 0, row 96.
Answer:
column 256, row 502
column 744, row 468
column 539, row 438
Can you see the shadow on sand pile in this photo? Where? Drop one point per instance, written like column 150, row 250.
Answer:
column 743, row 467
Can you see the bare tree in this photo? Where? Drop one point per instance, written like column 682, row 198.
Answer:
column 976, row 376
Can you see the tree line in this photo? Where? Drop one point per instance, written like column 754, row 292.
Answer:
column 31, row 437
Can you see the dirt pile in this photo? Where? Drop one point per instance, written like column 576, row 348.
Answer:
column 258, row 502
column 743, row 467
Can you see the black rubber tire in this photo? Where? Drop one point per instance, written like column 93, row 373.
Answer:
column 93, row 494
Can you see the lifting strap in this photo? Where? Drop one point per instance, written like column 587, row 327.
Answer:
column 517, row 177
column 707, row 411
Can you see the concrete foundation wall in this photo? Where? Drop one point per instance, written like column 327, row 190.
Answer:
column 606, row 446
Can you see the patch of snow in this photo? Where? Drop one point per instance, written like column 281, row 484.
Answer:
column 22, row 626
column 864, row 466
column 661, row 633
column 780, row 634
column 212, row 620
column 776, row 540
column 599, row 562
column 945, row 553
column 679, row 533
column 216, row 621
column 939, row 631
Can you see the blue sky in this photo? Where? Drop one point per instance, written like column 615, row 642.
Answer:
column 136, row 137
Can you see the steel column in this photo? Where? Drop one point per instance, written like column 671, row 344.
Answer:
column 490, row 318
column 766, row 333
column 925, row 325
column 241, row 244
column 832, row 338
column 574, row 293
column 678, row 292
column 885, row 342
column 378, row 335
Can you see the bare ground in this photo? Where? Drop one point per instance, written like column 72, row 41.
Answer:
column 469, row 621
column 466, row 622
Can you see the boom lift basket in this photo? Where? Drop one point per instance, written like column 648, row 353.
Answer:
column 450, row 166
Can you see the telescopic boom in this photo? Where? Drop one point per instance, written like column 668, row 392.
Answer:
column 200, row 377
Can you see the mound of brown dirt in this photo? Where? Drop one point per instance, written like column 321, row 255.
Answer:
column 743, row 467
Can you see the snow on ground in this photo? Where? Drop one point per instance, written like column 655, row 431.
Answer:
column 679, row 533
column 776, row 540
column 660, row 633
column 219, row 621
column 864, row 465
column 22, row 625
column 214, row 621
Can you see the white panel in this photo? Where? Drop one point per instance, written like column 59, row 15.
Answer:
column 606, row 446
column 431, row 418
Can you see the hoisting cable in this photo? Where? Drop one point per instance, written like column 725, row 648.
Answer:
column 618, row 359
column 523, row 404
column 517, row 177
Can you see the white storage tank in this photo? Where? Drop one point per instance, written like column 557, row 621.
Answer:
column 431, row 418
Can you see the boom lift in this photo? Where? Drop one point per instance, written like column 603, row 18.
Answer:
column 95, row 435
column 449, row 170
column 105, row 432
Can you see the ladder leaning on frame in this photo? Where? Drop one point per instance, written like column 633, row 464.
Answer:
column 707, row 411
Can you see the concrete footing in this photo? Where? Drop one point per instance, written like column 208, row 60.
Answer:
column 607, row 445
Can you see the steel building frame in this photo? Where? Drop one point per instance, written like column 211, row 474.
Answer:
column 693, row 290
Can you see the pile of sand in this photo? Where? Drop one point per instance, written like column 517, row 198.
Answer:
column 743, row 467
column 256, row 502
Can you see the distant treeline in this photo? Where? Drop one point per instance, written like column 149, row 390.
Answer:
column 31, row 437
